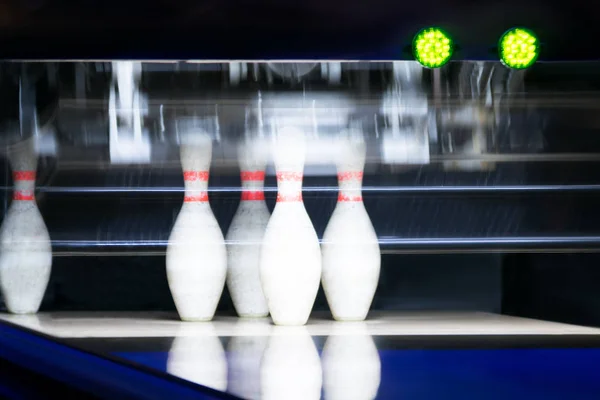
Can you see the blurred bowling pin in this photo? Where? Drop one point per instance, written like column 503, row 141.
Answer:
column 197, row 355
column 291, row 368
column 25, row 250
column 351, row 364
column 196, row 255
column 290, row 261
column 351, row 255
column 245, row 235
column 245, row 352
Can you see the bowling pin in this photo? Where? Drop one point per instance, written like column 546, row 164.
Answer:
column 197, row 356
column 25, row 249
column 291, row 368
column 351, row 364
column 196, row 255
column 245, row 235
column 351, row 254
column 290, row 260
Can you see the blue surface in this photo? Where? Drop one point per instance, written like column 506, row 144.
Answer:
column 472, row 374
column 88, row 372
column 490, row 374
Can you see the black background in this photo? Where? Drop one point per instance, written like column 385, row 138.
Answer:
column 228, row 29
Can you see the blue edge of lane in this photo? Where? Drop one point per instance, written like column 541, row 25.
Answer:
column 90, row 373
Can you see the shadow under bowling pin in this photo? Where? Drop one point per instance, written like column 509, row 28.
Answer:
column 196, row 256
column 351, row 254
column 245, row 352
column 291, row 368
column 351, row 364
column 197, row 355
column 25, row 249
column 245, row 234
column 290, row 259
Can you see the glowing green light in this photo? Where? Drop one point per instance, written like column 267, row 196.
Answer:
column 432, row 47
column 518, row 48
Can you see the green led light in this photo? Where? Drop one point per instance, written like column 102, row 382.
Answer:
column 518, row 48
column 432, row 47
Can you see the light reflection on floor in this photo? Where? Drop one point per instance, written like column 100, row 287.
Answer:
column 400, row 356
column 355, row 369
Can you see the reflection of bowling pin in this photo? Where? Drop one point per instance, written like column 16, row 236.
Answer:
column 290, row 261
column 351, row 365
column 291, row 368
column 245, row 352
column 245, row 235
column 25, row 250
column 351, row 255
column 197, row 355
column 196, row 255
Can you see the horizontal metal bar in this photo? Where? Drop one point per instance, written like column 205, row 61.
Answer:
column 321, row 189
column 471, row 241
column 383, row 241
column 538, row 244
column 544, row 157
column 499, row 250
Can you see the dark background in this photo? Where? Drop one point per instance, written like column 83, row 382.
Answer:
column 259, row 29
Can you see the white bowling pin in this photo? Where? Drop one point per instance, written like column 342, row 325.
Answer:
column 291, row 368
column 25, row 249
column 245, row 353
column 351, row 364
column 290, row 261
column 197, row 355
column 245, row 235
column 351, row 254
column 196, row 255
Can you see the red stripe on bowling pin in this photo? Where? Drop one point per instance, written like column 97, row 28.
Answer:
column 194, row 198
column 24, row 175
column 252, row 176
column 191, row 176
column 251, row 195
column 24, row 195
column 349, row 176
column 195, row 176
column 20, row 176
column 293, row 177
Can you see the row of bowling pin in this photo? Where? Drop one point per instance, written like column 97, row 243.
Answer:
column 279, row 363
column 273, row 264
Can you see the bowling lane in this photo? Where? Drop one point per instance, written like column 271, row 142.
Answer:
column 390, row 356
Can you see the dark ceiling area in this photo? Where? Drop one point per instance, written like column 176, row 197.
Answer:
column 377, row 29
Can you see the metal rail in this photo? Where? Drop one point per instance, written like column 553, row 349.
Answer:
column 522, row 244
